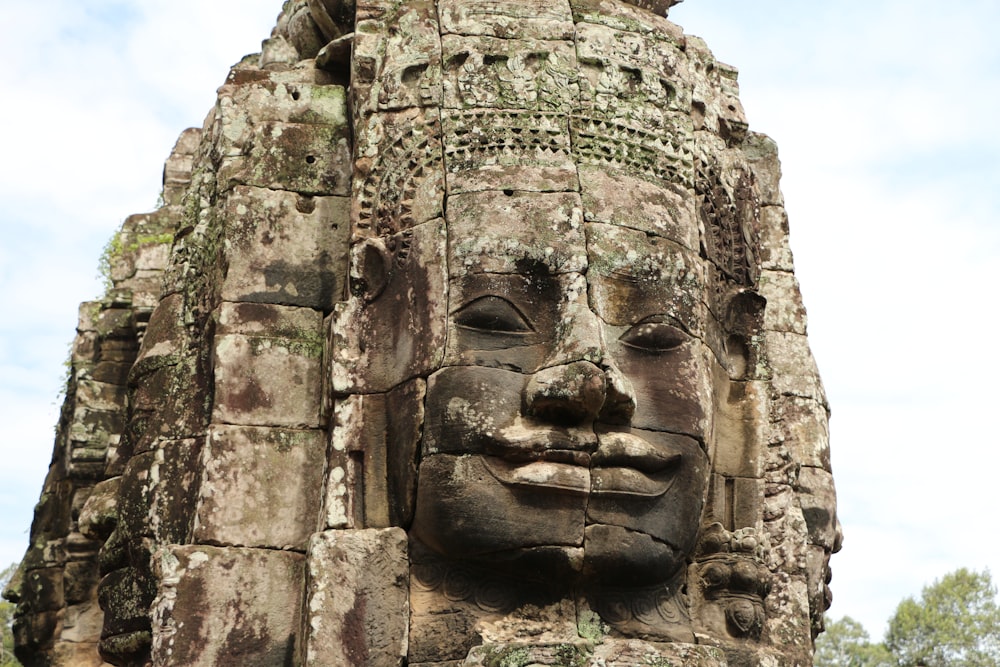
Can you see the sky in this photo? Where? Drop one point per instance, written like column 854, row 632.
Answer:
column 884, row 114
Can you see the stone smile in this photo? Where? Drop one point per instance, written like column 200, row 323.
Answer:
column 572, row 474
column 622, row 464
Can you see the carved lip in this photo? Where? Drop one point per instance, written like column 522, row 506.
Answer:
column 623, row 465
column 564, row 477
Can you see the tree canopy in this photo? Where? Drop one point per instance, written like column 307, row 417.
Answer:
column 846, row 644
column 954, row 623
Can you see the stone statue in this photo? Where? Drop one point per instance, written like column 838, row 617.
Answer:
column 467, row 335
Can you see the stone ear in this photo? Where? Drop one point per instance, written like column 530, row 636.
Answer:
column 744, row 321
column 371, row 269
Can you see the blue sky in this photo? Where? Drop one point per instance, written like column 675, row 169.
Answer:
column 884, row 113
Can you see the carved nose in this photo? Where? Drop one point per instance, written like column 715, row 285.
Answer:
column 566, row 395
column 619, row 398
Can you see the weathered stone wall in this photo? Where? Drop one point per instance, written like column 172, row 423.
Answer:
column 238, row 456
column 59, row 619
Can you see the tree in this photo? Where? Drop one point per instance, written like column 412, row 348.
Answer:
column 6, row 621
column 955, row 623
column 846, row 643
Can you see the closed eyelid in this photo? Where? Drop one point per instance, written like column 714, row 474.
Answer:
column 492, row 313
column 654, row 335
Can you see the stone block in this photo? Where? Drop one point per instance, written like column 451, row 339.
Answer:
column 35, row 632
column 636, row 78
column 111, row 372
column 530, row 74
column 77, row 654
column 82, row 623
column 565, row 328
column 227, row 607
column 784, row 311
column 399, row 179
column 512, row 19
column 631, row 272
column 787, row 622
column 53, row 513
column 168, row 400
column 80, row 581
column 819, row 500
column 116, row 323
column 627, row 17
column 609, row 653
column 806, row 431
column 775, row 252
column 98, row 516
column 84, row 350
column 399, row 66
column 762, row 153
column 285, row 248
column 268, row 365
column 739, row 426
column 87, row 316
column 42, row 590
column 100, row 395
column 508, row 150
column 394, row 327
column 373, row 472
column 177, row 473
column 653, row 209
column 261, row 487
column 281, row 96
column 480, row 240
column 735, row 502
column 358, row 607
column 794, row 368
column 307, row 159
column 165, row 331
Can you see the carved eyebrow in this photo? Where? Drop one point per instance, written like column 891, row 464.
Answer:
column 492, row 313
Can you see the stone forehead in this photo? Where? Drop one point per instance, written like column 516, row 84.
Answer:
column 562, row 232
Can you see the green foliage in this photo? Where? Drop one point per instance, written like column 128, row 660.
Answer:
column 846, row 644
column 112, row 250
column 120, row 243
column 7, row 658
column 955, row 623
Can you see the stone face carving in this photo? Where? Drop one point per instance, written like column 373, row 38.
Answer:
column 478, row 343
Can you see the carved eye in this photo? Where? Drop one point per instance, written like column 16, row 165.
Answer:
column 492, row 313
column 654, row 337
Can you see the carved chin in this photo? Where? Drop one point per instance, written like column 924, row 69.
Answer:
column 617, row 556
column 466, row 511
